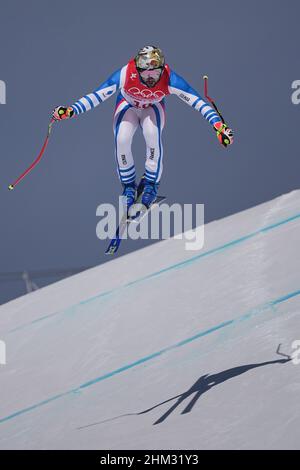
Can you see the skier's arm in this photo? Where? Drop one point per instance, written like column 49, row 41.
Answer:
column 178, row 86
column 102, row 93
column 87, row 102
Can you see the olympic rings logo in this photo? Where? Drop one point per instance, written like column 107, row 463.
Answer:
column 146, row 93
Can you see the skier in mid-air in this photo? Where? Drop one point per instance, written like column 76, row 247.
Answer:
column 143, row 84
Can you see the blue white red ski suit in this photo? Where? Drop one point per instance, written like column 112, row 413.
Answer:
column 139, row 105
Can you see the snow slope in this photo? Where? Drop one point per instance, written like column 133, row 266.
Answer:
column 163, row 348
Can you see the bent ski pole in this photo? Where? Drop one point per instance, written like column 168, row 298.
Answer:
column 205, row 78
column 33, row 164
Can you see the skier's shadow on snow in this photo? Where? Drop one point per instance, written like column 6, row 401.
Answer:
column 202, row 385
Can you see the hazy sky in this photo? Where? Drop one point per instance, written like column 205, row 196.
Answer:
column 54, row 53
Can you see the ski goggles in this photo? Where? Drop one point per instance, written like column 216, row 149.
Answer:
column 154, row 73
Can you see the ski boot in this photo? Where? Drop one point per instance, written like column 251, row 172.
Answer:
column 129, row 190
column 149, row 192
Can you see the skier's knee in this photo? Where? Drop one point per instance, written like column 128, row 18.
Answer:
column 150, row 135
column 124, row 141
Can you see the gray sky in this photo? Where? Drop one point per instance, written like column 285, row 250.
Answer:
column 53, row 53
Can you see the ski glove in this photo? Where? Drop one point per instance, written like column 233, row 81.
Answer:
column 62, row 112
column 224, row 133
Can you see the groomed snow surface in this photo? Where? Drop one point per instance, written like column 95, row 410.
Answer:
column 164, row 348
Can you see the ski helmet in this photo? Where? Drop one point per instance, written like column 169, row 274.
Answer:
column 149, row 57
column 150, row 63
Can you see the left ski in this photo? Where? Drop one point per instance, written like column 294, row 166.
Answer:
column 116, row 241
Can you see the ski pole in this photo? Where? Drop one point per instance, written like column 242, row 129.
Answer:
column 205, row 78
column 35, row 162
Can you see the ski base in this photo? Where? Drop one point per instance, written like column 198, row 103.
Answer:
column 145, row 210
